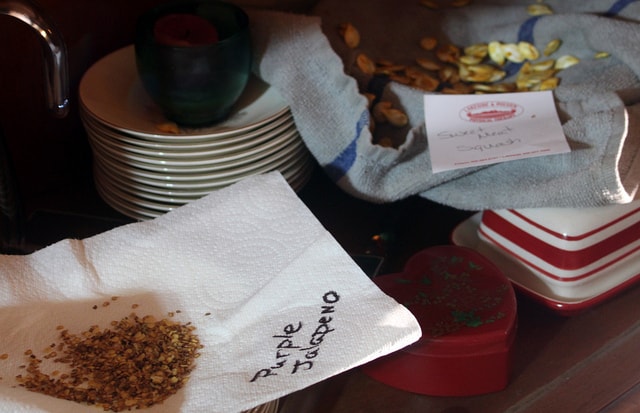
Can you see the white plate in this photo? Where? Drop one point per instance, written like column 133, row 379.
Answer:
column 132, row 211
column 112, row 92
column 141, row 206
column 102, row 146
column 131, row 172
column 226, row 169
column 289, row 155
column 568, row 300
column 297, row 175
column 225, row 143
column 298, row 170
column 224, row 154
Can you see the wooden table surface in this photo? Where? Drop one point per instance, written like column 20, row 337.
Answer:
column 588, row 362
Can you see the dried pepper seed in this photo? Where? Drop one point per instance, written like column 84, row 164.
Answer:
column 136, row 364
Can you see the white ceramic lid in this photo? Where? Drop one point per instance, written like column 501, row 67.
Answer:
column 573, row 228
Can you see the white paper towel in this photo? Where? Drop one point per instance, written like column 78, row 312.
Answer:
column 241, row 264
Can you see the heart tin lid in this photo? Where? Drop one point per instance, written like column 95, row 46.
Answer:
column 466, row 308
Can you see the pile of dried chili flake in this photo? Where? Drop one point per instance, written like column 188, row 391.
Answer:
column 133, row 364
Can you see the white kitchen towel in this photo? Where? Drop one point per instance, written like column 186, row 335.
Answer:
column 598, row 100
column 246, row 265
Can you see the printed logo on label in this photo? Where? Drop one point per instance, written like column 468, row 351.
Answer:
column 490, row 111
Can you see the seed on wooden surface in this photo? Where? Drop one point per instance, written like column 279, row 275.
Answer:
column 350, row 35
column 428, row 64
column 430, row 4
column 449, row 53
column 365, row 64
column 428, row 43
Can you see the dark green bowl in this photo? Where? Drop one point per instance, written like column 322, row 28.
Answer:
column 195, row 85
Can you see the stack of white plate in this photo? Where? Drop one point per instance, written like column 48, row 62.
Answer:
column 143, row 170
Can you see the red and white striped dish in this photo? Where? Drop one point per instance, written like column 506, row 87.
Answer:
column 566, row 292
column 566, row 244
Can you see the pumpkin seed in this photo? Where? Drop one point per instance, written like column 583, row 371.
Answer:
column 566, row 61
column 430, row 4
column 428, row 64
column 477, row 50
column 424, row 81
column 470, row 60
column 449, row 53
column 350, row 35
column 512, row 53
column 378, row 111
column 543, row 65
column 396, row 117
column 459, row 3
column 528, row 50
column 549, row 84
column 365, row 64
column 496, row 53
column 552, row 46
column 428, row 43
column 539, row 9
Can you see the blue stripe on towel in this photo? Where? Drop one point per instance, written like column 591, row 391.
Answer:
column 345, row 160
column 618, row 6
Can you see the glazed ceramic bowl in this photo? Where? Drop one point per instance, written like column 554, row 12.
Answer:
column 194, row 59
column 566, row 244
column 568, row 259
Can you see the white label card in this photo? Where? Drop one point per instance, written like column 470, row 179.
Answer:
column 474, row 130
